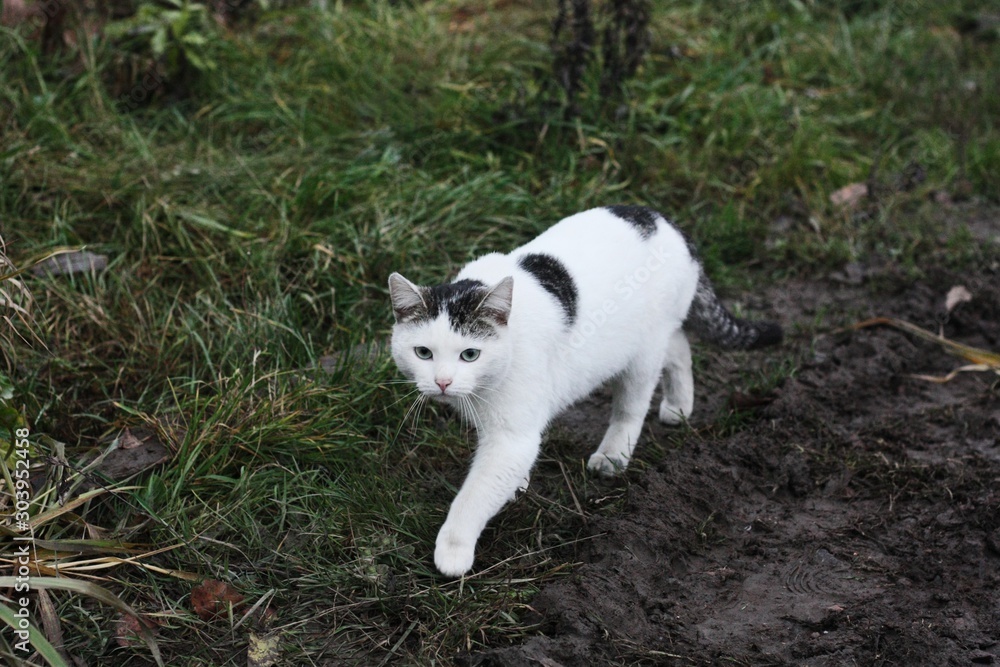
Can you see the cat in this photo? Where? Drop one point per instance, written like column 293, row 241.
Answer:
column 602, row 296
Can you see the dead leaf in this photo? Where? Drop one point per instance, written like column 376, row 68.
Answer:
column 942, row 197
column 129, row 440
column 263, row 651
column 956, row 295
column 849, row 196
column 128, row 630
column 462, row 20
column 740, row 401
column 51, row 623
column 16, row 12
column 212, row 599
column 65, row 263
column 137, row 450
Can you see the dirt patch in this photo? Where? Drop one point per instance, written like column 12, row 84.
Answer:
column 852, row 520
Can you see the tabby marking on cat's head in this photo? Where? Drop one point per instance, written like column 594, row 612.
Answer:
column 472, row 308
column 450, row 339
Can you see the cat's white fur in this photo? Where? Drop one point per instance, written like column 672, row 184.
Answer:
column 634, row 294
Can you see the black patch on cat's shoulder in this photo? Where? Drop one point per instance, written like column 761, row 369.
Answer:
column 553, row 276
column 642, row 218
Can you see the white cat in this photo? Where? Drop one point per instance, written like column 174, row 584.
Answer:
column 601, row 297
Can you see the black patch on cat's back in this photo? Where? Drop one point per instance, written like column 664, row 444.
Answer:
column 642, row 218
column 555, row 279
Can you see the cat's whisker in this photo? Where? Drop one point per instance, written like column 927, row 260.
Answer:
column 483, row 403
column 413, row 404
column 403, row 397
column 475, row 392
column 477, row 421
column 422, row 402
column 480, row 426
column 467, row 415
column 413, row 410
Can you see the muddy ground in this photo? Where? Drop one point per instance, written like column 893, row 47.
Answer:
column 852, row 518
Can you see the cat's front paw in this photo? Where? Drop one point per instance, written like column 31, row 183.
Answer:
column 453, row 555
column 605, row 465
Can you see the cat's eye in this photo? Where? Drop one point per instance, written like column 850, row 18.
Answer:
column 470, row 355
column 423, row 352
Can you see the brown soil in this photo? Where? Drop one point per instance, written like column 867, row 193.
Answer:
column 853, row 519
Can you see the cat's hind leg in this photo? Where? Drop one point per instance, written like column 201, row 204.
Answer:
column 678, row 381
column 632, row 392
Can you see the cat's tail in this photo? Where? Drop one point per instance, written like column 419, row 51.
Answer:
column 711, row 322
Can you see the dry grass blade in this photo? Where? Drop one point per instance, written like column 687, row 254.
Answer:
column 71, row 560
column 98, row 593
column 35, row 637
column 941, row 379
column 45, row 517
column 51, row 623
column 15, row 307
column 982, row 360
column 94, row 547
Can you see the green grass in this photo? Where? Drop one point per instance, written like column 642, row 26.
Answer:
column 251, row 225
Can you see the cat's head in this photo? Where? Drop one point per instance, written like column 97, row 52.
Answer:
column 451, row 340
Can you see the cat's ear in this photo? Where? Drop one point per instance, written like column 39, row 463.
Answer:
column 407, row 301
column 497, row 302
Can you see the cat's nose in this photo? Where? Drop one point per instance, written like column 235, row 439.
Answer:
column 443, row 384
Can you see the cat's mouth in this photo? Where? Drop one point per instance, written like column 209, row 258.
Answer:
column 448, row 395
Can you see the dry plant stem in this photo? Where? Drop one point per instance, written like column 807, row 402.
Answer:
column 983, row 359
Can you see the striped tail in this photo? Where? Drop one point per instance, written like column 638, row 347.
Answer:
column 710, row 320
